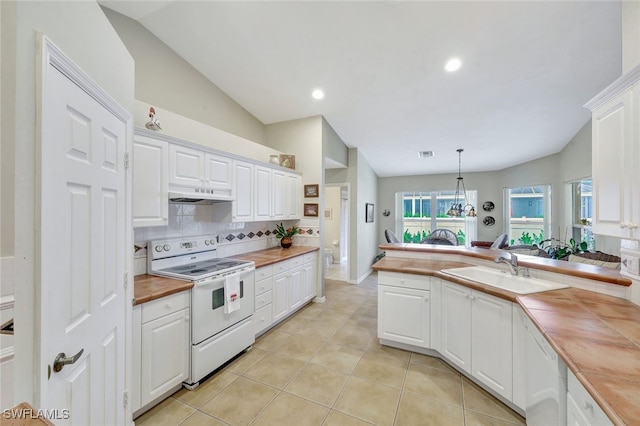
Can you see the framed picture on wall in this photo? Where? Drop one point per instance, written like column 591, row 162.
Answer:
column 311, row 209
column 311, row 191
column 369, row 212
column 328, row 214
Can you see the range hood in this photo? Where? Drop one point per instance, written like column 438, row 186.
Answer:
column 197, row 196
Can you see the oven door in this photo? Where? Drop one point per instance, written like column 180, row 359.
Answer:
column 207, row 305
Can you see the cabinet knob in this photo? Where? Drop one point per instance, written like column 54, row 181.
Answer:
column 623, row 225
column 588, row 406
column 187, row 318
column 632, row 226
column 168, row 306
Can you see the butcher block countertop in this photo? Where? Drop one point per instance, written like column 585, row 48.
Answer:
column 274, row 255
column 598, row 336
column 150, row 287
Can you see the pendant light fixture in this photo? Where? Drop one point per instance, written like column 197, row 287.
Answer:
column 460, row 206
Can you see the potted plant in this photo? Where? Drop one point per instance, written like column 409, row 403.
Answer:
column 286, row 235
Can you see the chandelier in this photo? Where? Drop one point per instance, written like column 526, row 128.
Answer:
column 461, row 207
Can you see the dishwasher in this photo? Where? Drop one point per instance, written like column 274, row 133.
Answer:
column 546, row 377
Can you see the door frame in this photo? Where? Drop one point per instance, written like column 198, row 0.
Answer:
column 47, row 53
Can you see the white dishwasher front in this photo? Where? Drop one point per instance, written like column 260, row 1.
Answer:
column 546, row 380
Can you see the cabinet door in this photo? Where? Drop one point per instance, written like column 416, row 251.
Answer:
column 456, row 325
column 242, row 207
column 150, row 182
column 279, row 193
column 262, row 193
column 281, row 292
column 218, row 174
column 404, row 315
column 165, row 355
column 309, row 271
column 612, row 148
column 492, row 343
column 293, row 198
column 519, row 365
column 186, row 166
column 296, row 288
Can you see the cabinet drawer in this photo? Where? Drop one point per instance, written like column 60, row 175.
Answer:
column 309, row 257
column 281, row 267
column 585, row 402
column 165, row 305
column 418, row 282
column 262, row 319
column 264, row 285
column 264, row 272
column 264, row 299
column 295, row 262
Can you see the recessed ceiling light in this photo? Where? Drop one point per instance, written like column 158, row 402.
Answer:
column 426, row 154
column 317, row 94
column 453, row 64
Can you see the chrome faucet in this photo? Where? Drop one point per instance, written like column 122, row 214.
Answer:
column 512, row 262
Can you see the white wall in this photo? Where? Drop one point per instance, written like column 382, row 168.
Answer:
column 364, row 236
column 163, row 79
column 333, row 148
column 83, row 33
column 630, row 34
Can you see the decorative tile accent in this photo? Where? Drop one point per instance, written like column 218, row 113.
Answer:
column 267, row 233
column 230, row 237
column 260, row 234
column 241, row 236
column 251, row 235
column 310, row 231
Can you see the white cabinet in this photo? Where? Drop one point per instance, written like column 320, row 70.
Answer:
column 582, row 410
column 281, row 295
column 263, row 317
column 309, row 272
column 161, row 348
column 404, row 312
column 519, row 397
column 242, row 207
column 186, row 166
column 193, row 168
column 615, row 159
column 276, row 194
column 477, row 335
column 150, row 181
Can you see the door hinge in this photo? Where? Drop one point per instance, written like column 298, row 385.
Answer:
column 125, row 398
column 126, row 160
column 126, row 280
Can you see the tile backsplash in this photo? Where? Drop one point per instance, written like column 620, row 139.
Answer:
column 234, row 238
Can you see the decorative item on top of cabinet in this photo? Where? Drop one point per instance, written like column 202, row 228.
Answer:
column 288, row 161
column 274, row 159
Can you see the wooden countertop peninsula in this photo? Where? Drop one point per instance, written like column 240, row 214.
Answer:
column 597, row 335
column 150, row 287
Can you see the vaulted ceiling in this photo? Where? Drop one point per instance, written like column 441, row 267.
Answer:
column 527, row 69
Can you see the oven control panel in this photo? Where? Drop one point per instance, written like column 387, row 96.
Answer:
column 179, row 246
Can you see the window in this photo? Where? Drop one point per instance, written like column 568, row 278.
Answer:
column 529, row 214
column 422, row 212
column 581, row 207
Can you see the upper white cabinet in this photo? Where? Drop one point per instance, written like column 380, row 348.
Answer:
column 243, row 192
column 262, row 195
column 150, row 170
column 616, row 157
column 218, row 174
column 293, row 197
column 276, row 194
column 186, row 166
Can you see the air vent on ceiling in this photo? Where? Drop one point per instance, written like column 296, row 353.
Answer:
column 426, row 154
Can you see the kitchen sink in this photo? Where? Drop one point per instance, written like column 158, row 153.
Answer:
column 504, row 280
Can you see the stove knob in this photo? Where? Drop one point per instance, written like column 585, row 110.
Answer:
column 158, row 248
column 206, row 242
column 213, row 242
column 166, row 247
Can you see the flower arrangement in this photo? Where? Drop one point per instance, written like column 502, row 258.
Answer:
column 282, row 232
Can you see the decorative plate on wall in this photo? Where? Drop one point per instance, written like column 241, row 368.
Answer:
column 488, row 206
column 489, row 221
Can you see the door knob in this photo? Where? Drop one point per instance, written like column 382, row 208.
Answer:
column 62, row 359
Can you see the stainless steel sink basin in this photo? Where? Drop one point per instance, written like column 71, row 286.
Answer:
column 504, row 280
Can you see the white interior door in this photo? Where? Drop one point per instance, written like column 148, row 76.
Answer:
column 82, row 249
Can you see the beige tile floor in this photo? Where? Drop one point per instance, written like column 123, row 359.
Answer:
column 324, row 366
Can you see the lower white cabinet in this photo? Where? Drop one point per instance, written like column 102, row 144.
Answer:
column 477, row 335
column 292, row 283
column 404, row 308
column 161, row 348
column 582, row 410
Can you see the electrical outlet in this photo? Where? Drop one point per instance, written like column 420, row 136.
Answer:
column 630, row 262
